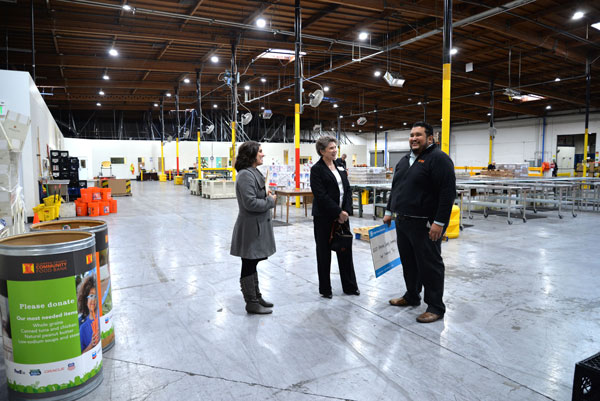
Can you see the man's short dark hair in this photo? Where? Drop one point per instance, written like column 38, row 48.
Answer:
column 428, row 129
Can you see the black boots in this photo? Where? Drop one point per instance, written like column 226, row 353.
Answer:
column 254, row 302
column 261, row 301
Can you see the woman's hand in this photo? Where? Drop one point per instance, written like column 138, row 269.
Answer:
column 273, row 195
column 343, row 217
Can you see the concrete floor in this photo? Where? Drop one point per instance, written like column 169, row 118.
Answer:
column 523, row 306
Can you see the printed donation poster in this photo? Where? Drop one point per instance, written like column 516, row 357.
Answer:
column 50, row 321
column 105, row 295
column 384, row 248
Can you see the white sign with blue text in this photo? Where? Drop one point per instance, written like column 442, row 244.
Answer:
column 384, row 248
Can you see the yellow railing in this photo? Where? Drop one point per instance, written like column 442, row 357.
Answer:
column 535, row 172
column 470, row 170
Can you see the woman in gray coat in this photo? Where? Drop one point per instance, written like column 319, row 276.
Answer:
column 252, row 238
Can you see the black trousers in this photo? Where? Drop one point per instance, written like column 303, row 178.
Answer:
column 249, row 267
column 422, row 263
column 322, row 230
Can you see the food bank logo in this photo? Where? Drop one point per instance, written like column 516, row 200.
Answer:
column 89, row 258
column 28, row 268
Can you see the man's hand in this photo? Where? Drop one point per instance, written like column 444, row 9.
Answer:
column 435, row 232
column 387, row 220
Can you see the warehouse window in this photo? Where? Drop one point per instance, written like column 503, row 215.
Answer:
column 117, row 160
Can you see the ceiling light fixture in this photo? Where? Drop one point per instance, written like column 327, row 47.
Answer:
column 280, row 54
column 101, row 93
column 289, row 100
column 262, row 107
column 381, row 127
column 186, row 80
column 489, row 114
column 477, row 93
column 105, row 77
column 98, row 104
column 405, row 123
column 261, row 23
column 363, row 35
column 113, row 52
column 168, row 94
column 394, row 79
column 548, row 107
column 326, row 88
column 263, row 80
column 453, row 51
column 155, row 104
column 377, row 73
column 557, row 79
column 126, row 7
column 596, row 25
column 214, row 59
column 578, row 15
column 335, row 106
column 247, row 87
column 215, row 106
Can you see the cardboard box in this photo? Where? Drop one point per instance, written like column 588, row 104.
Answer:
column 119, row 187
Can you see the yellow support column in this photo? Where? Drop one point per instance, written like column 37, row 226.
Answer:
column 297, row 148
column 199, row 158
column 585, row 152
column 233, row 149
column 490, row 156
column 446, row 109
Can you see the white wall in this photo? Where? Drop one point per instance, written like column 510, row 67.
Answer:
column 516, row 141
column 96, row 151
column 21, row 95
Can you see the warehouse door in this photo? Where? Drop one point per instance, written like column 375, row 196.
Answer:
column 395, row 158
column 379, row 159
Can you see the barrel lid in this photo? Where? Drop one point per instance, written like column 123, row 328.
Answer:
column 88, row 225
column 46, row 243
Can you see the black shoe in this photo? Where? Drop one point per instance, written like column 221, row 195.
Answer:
column 329, row 296
column 355, row 292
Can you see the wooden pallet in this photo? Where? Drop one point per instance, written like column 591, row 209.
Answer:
column 362, row 233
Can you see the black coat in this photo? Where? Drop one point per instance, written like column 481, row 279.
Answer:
column 326, row 192
column 425, row 189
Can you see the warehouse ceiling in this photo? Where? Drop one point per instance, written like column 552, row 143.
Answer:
column 528, row 47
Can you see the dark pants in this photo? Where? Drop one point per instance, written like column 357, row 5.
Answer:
column 422, row 263
column 322, row 229
column 249, row 266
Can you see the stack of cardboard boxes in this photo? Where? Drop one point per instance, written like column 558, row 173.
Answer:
column 592, row 169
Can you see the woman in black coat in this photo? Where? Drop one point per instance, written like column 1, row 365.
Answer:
column 332, row 202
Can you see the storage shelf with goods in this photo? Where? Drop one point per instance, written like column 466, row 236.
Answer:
column 367, row 175
column 284, row 176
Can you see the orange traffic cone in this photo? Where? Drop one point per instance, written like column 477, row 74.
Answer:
column 36, row 218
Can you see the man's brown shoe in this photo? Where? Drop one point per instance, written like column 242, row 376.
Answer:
column 428, row 317
column 402, row 302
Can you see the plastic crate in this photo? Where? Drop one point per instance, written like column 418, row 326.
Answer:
column 586, row 382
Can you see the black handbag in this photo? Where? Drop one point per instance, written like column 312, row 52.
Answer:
column 340, row 239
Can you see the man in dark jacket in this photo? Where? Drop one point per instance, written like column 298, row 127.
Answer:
column 423, row 192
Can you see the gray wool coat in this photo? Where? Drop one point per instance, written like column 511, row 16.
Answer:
column 252, row 236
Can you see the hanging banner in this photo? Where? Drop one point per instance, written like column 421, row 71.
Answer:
column 384, row 248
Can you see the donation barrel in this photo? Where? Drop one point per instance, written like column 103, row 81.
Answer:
column 100, row 229
column 49, row 313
